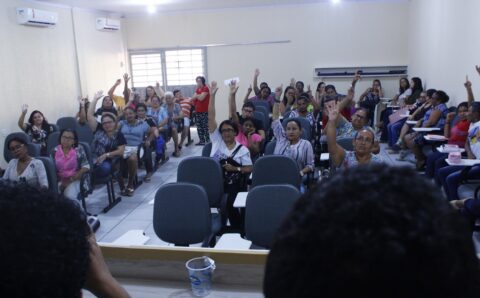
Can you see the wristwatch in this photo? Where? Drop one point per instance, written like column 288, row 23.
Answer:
column 239, row 169
column 302, row 173
column 108, row 154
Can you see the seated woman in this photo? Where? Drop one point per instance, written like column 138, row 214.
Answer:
column 23, row 168
column 37, row 128
column 107, row 107
column 456, row 133
column 150, row 143
column 434, row 117
column 302, row 111
column 247, row 135
column 233, row 156
column 135, row 132
column 370, row 98
column 363, row 143
column 108, row 143
column 71, row 163
column 403, row 93
column 289, row 142
column 170, row 119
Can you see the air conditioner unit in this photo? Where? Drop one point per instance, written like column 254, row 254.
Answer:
column 106, row 24
column 36, row 17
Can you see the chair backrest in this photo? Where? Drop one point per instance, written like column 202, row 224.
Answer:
column 270, row 147
column 85, row 134
column 266, row 116
column 206, row 150
column 275, row 169
column 181, row 214
column 266, row 208
column 203, row 171
column 306, row 127
column 49, row 165
column 67, row 122
column 346, row 143
column 261, row 117
column 264, row 104
column 52, row 141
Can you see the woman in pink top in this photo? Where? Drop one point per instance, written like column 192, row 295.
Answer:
column 247, row 135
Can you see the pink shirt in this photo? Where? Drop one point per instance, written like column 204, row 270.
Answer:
column 66, row 164
column 243, row 139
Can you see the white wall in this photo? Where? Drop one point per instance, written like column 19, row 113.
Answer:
column 444, row 44
column 322, row 35
column 39, row 67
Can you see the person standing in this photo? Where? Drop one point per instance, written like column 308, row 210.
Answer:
column 201, row 99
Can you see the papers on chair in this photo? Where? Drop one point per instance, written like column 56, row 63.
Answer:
column 411, row 122
column 464, row 162
column 448, row 149
column 132, row 237
column 232, row 241
column 425, row 129
column 435, row 138
column 325, row 156
column 241, row 200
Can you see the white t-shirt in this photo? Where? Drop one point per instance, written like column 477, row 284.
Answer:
column 220, row 150
column 34, row 174
column 474, row 138
column 403, row 96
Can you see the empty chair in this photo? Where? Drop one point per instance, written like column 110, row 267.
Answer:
column 206, row 150
column 206, row 172
column 275, row 169
column 181, row 215
column 7, row 155
column 67, row 122
column 267, row 206
column 52, row 141
column 264, row 104
column 51, row 173
column 306, row 127
column 346, row 143
column 266, row 116
column 261, row 117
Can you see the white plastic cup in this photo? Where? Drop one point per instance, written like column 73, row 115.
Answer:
column 200, row 271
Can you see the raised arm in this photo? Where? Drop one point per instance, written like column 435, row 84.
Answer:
column 337, row 153
column 470, row 96
column 348, row 99
column 82, row 116
column 126, row 90
column 247, row 95
column 112, row 89
column 92, row 122
column 356, row 78
column 159, row 90
column 364, row 94
column 231, row 101
column 21, row 119
column 212, row 123
column 276, row 106
column 255, row 82
column 446, row 127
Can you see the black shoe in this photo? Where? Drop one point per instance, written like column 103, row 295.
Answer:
column 200, row 144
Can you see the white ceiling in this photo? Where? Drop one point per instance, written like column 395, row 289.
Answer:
column 129, row 7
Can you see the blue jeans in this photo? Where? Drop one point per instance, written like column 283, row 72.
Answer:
column 394, row 131
column 449, row 177
column 102, row 170
column 435, row 161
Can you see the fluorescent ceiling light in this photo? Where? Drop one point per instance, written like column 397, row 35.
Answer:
column 335, row 1
column 151, row 9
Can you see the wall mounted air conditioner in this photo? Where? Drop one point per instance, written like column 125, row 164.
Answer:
column 36, row 17
column 369, row 71
column 106, row 24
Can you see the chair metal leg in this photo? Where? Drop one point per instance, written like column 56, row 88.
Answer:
column 112, row 200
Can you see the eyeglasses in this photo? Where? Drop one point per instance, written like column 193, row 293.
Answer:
column 227, row 130
column 68, row 138
column 16, row 147
column 107, row 122
column 358, row 116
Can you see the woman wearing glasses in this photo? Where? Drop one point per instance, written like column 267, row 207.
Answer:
column 24, row 168
column 108, row 143
column 71, row 163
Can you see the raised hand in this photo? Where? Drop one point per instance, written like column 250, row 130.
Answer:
column 332, row 110
column 98, row 94
column 81, row 100
column 278, row 91
column 24, row 108
column 309, row 89
column 126, row 77
column 357, row 76
column 477, row 68
column 233, row 87
column 213, row 87
column 450, row 116
column 249, row 90
column 292, row 82
column 257, row 72
column 157, row 84
column 467, row 83
column 117, row 82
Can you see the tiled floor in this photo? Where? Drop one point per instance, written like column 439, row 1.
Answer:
column 137, row 212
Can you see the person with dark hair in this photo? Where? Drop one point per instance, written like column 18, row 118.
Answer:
column 49, row 251
column 71, row 163
column 248, row 110
column 288, row 99
column 264, row 95
column 299, row 86
column 151, row 92
column 108, row 143
column 346, row 107
column 155, row 108
column 149, row 144
column 370, row 98
column 23, row 168
column 302, row 111
column 247, row 135
column 403, row 93
column 340, row 241
column 417, row 88
column 233, row 157
column 434, row 117
column 120, row 101
column 37, row 128
column 289, row 141
column 186, row 105
column 455, row 132
column 363, row 142
column 200, row 100
column 107, row 107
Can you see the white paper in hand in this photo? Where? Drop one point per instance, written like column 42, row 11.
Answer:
column 227, row 81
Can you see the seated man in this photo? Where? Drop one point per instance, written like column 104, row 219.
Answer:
column 366, row 233
column 248, row 109
column 49, row 251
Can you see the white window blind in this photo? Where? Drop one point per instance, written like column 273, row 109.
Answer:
column 183, row 66
column 146, row 69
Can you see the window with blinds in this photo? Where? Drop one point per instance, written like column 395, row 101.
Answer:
column 183, row 66
column 146, row 69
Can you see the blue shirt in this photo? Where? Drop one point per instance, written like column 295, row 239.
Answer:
column 134, row 134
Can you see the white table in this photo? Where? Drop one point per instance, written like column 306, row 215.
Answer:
column 411, row 122
column 464, row 162
column 425, row 129
column 325, row 156
column 441, row 149
column 241, row 200
column 233, row 241
column 435, row 138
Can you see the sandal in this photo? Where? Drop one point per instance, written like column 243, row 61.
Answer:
column 176, row 154
column 127, row 192
column 147, row 177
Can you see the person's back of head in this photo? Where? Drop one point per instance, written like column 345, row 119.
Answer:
column 44, row 246
column 373, row 231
